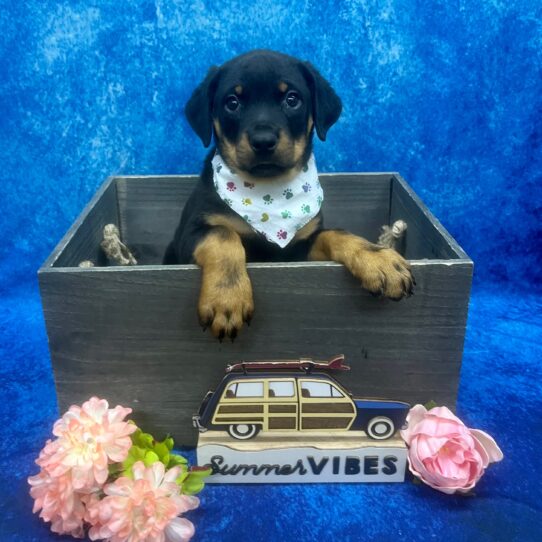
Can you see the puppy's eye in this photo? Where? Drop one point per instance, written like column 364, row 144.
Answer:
column 232, row 103
column 292, row 100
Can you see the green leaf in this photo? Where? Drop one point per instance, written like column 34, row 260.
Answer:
column 192, row 487
column 115, row 468
column 161, row 450
column 175, row 459
column 143, row 440
column 146, row 449
column 431, row 404
column 181, row 478
column 146, row 440
column 135, row 454
column 135, row 435
column 150, row 458
column 194, row 482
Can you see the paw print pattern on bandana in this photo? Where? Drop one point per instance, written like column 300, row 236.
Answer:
column 275, row 210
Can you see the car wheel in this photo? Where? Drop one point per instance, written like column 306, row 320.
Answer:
column 243, row 431
column 380, row 428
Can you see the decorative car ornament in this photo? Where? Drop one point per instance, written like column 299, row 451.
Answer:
column 298, row 395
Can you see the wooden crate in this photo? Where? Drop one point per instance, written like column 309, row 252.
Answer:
column 131, row 334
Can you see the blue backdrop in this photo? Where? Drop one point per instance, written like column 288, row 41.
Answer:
column 447, row 93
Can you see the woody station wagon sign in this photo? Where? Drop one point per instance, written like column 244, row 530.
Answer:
column 290, row 421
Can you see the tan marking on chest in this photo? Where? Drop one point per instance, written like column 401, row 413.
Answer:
column 308, row 229
column 233, row 223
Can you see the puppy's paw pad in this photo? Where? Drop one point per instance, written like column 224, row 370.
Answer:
column 225, row 310
column 384, row 273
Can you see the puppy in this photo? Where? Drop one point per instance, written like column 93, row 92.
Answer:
column 258, row 198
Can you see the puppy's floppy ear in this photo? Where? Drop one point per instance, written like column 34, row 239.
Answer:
column 326, row 105
column 199, row 108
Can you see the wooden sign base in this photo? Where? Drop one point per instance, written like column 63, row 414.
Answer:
column 287, row 458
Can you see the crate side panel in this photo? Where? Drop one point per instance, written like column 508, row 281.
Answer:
column 132, row 335
column 425, row 237
column 86, row 239
column 150, row 208
column 358, row 202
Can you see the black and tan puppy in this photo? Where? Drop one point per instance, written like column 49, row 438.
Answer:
column 263, row 108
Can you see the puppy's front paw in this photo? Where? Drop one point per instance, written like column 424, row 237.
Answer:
column 225, row 302
column 382, row 271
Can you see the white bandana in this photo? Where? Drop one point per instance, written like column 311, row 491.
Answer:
column 277, row 209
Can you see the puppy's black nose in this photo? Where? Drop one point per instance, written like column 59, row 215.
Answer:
column 263, row 141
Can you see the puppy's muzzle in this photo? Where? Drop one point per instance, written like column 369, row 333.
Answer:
column 263, row 140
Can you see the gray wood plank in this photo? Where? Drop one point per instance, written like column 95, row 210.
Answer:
column 82, row 241
column 426, row 237
column 131, row 334
column 357, row 202
column 150, row 208
column 149, row 211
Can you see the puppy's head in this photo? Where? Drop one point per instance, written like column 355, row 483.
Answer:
column 263, row 107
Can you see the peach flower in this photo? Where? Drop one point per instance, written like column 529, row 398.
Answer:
column 58, row 502
column 144, row 509
column 76, row 463
column 89, row 438
column 444, row 453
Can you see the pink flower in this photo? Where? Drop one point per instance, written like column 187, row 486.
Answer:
column 58, row 502
column 89, row 438
column 144, row 509
column 444, row 453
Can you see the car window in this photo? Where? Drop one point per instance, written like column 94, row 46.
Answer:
column 319, row 389
column 335, row 392
column 245, row 389
column 281, row 388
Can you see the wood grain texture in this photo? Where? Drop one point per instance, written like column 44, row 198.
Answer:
column 426, row 237
column 131, row 334
column 150, row 208
column 149, row 211
column 82, row 241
